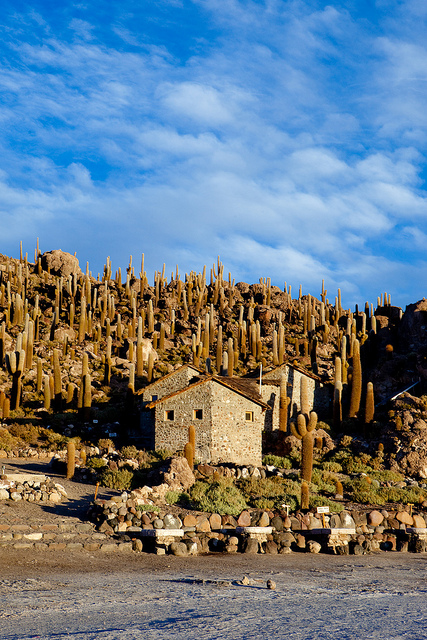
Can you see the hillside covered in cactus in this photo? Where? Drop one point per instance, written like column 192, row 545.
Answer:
column 76, row 347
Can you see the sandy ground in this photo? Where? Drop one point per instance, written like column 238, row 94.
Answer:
column 58, row 596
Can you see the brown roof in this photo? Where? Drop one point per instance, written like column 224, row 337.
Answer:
column 234, row 384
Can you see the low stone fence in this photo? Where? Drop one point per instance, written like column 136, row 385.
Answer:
column 59, row 537
column 156, row 530
column 128, row 522
column 32, row 488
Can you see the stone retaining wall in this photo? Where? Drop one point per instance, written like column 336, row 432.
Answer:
column 258, row 531
column 59, row 537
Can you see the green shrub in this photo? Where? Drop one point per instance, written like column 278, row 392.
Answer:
column 334, row 467
column 129, row 452
column 270, row 493
column 217, row 496
column 387, row 476
column 146, row 459
column 52, row 441
column 295, row 457
column 362, row 491
column 8, row 442
column 277, row 461
column 120, row 479
column 148, row 507
column 106, row 443
column 96, row 463
column 321, row 501
column 163, row 454
column 322, row 480
column 323, row 425
column 177, row 497
column 407, row 495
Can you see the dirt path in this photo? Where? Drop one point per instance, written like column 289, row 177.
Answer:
column 79, row 496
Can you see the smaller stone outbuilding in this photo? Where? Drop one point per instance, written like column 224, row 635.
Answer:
column 320, row 393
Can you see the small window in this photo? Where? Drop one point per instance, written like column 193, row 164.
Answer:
column 170, row 415
column 249, row 416
column 153, row 398
column 198, row 414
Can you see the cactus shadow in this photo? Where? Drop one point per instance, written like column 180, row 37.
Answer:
column 71, row 508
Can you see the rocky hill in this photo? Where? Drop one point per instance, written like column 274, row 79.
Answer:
column 75, row 348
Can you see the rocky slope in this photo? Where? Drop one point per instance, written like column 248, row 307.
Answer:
column 75, row 348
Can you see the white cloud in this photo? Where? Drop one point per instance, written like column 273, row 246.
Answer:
column 288, row 145
column 197, row 102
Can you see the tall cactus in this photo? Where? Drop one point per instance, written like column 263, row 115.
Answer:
column 304, row 401
column 192, row 436
column 304, row 432
column 283, row 406
column 356, row 381
column 57, row 380
column 71, row 459
column 15, row 366
column 189, row 454
column 305, row 496
column 369, row 404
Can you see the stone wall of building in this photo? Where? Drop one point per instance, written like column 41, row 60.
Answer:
column 234, row 438
column 170, row 383
column 222, row 432
column 319, row 395
column 173, row 434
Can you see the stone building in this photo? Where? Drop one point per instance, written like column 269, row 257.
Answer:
column 228, row 416
column 320, row 393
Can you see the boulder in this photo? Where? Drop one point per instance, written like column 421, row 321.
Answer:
column 179, row 549
column 405, row 518
column 60, row 263
column 271, row 547
column 189, row 521
column 347, row 521
column 412, row 328
column 171, row 522
column 215, row 521
column 264, row 520
column 244, row 519
column 277, row 523
column 375, row 518
column 419, row 522
column 203, row 525
column 147, row 348
column 178, row 474
column 251, row 546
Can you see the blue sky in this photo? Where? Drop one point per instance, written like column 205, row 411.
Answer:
column 288, row 137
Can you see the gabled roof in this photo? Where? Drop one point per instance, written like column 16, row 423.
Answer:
column 247, row 392
column 296, row 367
column 170, row 375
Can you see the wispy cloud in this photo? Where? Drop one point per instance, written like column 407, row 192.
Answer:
column 288, row 138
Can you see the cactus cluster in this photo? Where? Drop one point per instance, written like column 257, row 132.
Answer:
column 68, row 342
